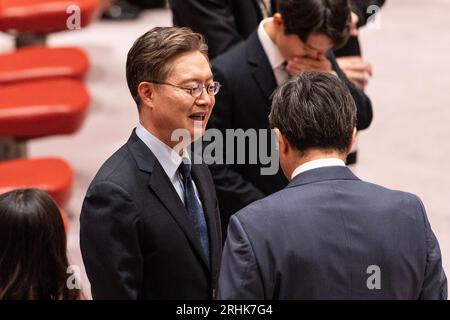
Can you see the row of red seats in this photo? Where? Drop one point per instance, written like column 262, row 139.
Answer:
column 41, row 92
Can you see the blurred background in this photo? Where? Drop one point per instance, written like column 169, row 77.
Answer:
column 405, row 148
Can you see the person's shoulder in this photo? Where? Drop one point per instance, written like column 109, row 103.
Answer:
column 118, row 169
column 386, row 193
column 374, row 196
column 383, row 199
column 232, row 57
column 263, row 209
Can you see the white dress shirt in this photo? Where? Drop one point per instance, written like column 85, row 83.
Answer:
column 274, row 55
column 266, row 8
column 314, row 164
column 169, row 159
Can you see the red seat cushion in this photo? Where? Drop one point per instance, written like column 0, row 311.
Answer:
column 42, row 108
column 51, row 175
column 43, row 16
column 42, row 62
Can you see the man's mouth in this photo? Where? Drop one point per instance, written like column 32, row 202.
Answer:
column 198, row 116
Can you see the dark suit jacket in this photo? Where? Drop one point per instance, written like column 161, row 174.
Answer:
column 318, row 237
column 223, row 22
column 136, row 238
column 244, row 102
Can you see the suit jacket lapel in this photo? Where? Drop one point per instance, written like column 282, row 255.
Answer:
column 164, row 190
column 260, row 66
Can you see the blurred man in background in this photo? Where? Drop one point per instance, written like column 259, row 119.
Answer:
column 298, row 38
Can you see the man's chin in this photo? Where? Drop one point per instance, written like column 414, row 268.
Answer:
column 198, row 130
column 197, row 133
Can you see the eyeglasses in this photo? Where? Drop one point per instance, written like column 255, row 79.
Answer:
column 211, row 88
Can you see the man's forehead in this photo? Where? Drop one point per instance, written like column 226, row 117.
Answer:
column 191, row 67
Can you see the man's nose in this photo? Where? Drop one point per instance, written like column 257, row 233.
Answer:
column 204, row 98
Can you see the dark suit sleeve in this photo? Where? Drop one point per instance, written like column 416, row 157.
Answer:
column 109, row 242
column 362, row 101
column 230, row 184
column 239, row 274
column 212, row 18
column 434, row 286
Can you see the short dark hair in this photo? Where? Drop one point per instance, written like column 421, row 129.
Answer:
column 314, row 110
column 329, row 17
column 150, row 56
column 33, row 259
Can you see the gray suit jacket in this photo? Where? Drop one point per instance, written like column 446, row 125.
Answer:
column 329, row 235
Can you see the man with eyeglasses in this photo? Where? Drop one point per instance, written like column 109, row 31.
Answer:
column 149, row 226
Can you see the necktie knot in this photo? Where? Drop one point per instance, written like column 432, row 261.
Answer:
column 185, row 169
column 281, row 73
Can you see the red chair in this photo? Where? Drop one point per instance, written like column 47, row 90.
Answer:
column 43, row 16
column 51, row 175
column 42, row 62
column 42, row 108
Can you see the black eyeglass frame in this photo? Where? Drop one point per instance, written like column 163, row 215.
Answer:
column 191, row 91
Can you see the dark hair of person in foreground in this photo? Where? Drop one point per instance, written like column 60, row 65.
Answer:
column 33, row 259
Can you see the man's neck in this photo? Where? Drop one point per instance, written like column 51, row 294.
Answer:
column 270, row 30
column 317, row 155
column 156, row 133
column 314, row 155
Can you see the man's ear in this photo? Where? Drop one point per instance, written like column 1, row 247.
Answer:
column 278, row 21
column 282, row 142
column 146, row 93
column 352, row 142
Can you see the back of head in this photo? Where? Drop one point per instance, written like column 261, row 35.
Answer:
column 33, row 260
column 329, row 17
column 149, row 59
column 314, row 111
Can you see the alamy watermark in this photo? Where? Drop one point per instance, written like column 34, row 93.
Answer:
column 241, row 147
column 374, row 280
column 374, row 20
column 73, row 22
column 74, row 279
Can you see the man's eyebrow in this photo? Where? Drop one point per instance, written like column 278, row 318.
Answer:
column 196, row 79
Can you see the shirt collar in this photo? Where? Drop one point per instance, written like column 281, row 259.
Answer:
column 319, row 163
column 274, row 55
column 169, row 159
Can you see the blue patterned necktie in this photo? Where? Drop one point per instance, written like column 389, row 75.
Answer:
column 194, row 207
